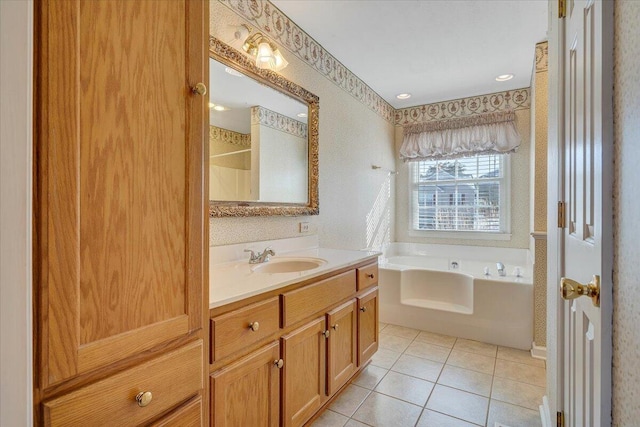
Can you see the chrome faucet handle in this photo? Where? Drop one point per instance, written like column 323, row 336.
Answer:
column 501, row 269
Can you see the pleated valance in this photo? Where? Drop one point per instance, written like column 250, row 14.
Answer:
column 492, row 133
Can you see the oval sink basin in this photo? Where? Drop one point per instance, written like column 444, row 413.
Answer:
column 289, row 265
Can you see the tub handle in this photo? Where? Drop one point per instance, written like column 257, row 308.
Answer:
column 370, row 275
column 363, row 309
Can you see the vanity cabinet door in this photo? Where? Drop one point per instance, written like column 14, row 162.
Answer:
column 120, row 190
column 247, row 392
column 304, row 372
column 367, row 325
column 342, row 345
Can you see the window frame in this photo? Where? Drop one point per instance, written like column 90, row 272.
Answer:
column 505, row 208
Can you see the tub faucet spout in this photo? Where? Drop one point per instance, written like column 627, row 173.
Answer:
column 501, row 270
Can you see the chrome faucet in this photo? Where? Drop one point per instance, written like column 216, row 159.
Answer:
column 501, row 270
column 260, row 257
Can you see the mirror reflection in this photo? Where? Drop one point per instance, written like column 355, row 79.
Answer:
column 258, row 140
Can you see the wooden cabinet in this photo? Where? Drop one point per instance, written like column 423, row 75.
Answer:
column 303, row 374
column 342, row 359
column 121, row 230
column 247, row 392
column 321, row 348
column 367, row 325
column 187, row 415
column 240, row 328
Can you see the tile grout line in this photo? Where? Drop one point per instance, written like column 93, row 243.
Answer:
column 444, row 364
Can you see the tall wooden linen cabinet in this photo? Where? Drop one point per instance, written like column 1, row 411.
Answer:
column 121, row 216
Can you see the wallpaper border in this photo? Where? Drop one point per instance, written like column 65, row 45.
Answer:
column 518, row 99
column 277, row 121
column 229, row 136
column 542, row 56
column 274, row 23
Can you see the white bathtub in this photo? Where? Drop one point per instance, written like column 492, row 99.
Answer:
column 419, row 288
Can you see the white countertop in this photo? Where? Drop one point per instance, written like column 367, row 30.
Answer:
column 235, row 280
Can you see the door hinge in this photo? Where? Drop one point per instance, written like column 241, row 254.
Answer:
column 562, row 208
column 562, row 9
column 560, row 419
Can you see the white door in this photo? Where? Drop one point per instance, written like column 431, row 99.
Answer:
column 587, row 236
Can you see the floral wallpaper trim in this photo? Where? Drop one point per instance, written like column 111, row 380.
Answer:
column 542, row 56
column 277, row 26
column 229, row 136
column 518, row 99
column 274, row 120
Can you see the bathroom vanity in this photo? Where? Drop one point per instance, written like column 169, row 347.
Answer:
column 283, row 344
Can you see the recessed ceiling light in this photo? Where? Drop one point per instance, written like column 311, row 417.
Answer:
column 403, row 96
column 233, row 72
column 302, row 114
column 504, row 77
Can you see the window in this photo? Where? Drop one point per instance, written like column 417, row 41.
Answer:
column 461, row 195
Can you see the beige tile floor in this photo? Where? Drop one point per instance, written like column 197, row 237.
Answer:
column 422, row 379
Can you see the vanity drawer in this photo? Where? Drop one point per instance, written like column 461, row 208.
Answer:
column 240, row 328
column 305, row 302
column 171, row 379
column 367, row 276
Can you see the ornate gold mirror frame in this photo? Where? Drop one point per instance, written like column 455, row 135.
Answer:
column 237, row 60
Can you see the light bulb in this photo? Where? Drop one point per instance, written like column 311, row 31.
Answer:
column 265, row 58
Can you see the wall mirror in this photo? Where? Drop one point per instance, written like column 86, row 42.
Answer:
column 263, row 140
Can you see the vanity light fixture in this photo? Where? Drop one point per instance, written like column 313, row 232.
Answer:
column 504, row 77
column 268, row 56
column 302, row 115
column 403, row 96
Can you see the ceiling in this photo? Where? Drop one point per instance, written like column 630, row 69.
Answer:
column 436, row 50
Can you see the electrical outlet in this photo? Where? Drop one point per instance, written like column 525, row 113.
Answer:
column 304, row 227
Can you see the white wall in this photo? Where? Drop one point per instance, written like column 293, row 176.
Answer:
column 356, row 202
column 626, row 283
column 283, row 159
column 16, row 63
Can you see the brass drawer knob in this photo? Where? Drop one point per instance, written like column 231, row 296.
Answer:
column 254, row 326
column 326, row 333
column 144, row 398
column 363, row 309
column 335, row 327
column 278, row 363
column 199, row 89
column 371, row 275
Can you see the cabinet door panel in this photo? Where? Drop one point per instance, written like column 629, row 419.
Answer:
column 188, row 415
column 367, row 325
column 342, row 346
column 247, row 392
column 304, row 355
column 120, row 166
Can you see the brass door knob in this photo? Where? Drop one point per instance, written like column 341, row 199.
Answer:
column 254, row 326
column 326, row 333
column 363, row 309
column 370, row 275
column 278, row 363
column 199, row 89
column 144, row 398
column 570, row 289
column 335, row 327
